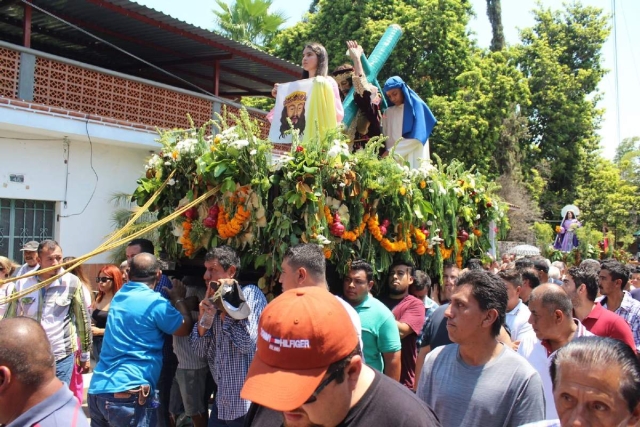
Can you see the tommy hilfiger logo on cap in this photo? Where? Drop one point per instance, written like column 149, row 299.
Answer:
column 276, row 344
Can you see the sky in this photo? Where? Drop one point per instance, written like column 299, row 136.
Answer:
column 515, row 15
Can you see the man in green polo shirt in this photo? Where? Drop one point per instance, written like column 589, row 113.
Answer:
column 380, row 334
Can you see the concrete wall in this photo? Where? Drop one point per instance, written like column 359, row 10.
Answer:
column 117, row 164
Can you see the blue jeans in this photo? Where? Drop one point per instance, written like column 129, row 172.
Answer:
column 64, row 368
column 108, row 411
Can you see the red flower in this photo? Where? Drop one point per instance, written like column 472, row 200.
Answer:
column 299, row 149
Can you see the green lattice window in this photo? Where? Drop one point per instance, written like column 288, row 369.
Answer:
column 22, row 221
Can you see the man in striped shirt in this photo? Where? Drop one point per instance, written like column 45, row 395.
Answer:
column 60, row 309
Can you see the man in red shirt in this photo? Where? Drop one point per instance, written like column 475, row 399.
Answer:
column 409, row 313
column 582, row 286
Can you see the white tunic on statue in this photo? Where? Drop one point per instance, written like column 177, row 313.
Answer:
column 409, row 149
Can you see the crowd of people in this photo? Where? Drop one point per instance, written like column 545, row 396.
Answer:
column 521, row 342
column 507, row 347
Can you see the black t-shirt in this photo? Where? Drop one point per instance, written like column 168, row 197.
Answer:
column 385, row 403
column 434, row 333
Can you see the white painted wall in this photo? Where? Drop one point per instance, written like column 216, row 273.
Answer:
column 118, row 165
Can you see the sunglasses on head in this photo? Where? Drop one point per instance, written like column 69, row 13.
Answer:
column 103, row 279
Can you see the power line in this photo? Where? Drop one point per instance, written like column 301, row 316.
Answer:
column 615, row 69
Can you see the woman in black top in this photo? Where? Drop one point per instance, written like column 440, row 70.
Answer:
column 109, row 281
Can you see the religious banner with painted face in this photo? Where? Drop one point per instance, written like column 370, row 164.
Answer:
column 292, row 103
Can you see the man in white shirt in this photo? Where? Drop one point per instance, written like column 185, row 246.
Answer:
column 554, row 326
column 518, row 313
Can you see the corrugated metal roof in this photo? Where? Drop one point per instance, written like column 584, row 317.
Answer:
column 176, row 46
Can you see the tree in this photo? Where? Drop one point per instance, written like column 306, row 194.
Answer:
column 494, row 12
column 561, row 57
column 490, row 95
column 433, row 51
column 249, row 21
column 627, row 159
column 608, row 199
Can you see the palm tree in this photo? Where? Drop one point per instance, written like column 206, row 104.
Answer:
column 249, row 21
column 125, row 210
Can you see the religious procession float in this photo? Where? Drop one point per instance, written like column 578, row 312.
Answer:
column 355, row 205
column 232, row 187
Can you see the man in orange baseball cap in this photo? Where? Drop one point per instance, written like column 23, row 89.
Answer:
column 308, row 371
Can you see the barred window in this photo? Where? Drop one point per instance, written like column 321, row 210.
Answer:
column 22, row 221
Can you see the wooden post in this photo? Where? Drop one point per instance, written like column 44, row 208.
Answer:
column 26, row 26
column 216, row 81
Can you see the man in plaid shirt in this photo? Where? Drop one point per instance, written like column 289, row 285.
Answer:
column 230, row 344
column 60, row 309
column 612, row 280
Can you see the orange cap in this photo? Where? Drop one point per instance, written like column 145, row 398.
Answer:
column 300, row 334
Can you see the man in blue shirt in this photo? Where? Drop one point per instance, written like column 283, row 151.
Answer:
column 30, row 392
column 125, row 379
column 379, row 330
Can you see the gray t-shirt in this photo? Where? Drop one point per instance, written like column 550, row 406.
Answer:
column 507, row 391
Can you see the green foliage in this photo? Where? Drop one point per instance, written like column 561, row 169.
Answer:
column 608, row 199
column 248, row 21
column 561, row 57
column 543, row 233
column 473, row 120
column 260, row 102
column 627, row 159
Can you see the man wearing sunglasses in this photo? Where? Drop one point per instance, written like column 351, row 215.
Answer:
column 308, row 371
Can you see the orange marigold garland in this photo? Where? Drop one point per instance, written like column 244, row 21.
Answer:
column 374, row 228
column 230, row 228
column 185, row 240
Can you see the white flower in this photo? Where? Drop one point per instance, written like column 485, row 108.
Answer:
column 187, row 146
column 342, row 184
column 442, row 190
column 253, row 152
column 239, row 143
column 167, row 163
column 347, row 166
column 429, row 223
column 431, row 190
column 229, row 131
column 478, row 216
column 171, row 182
column 323, row 240
column 338, row 147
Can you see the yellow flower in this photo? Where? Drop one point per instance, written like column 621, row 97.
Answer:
column 217, row 139
column 403, row 191
column 423, row 184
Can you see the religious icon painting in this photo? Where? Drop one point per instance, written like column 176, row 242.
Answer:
column 292, row 104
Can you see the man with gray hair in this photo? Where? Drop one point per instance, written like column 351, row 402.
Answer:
column 596, row 382
column 554, row 326
column 124, row 383
column 30, row 393
column 229, row 341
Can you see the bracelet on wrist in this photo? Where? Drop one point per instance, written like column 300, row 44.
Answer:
column 177, row 301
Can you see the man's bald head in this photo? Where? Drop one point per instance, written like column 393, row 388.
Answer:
column 25, row 351
column 552, row 297
column 144, row 268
